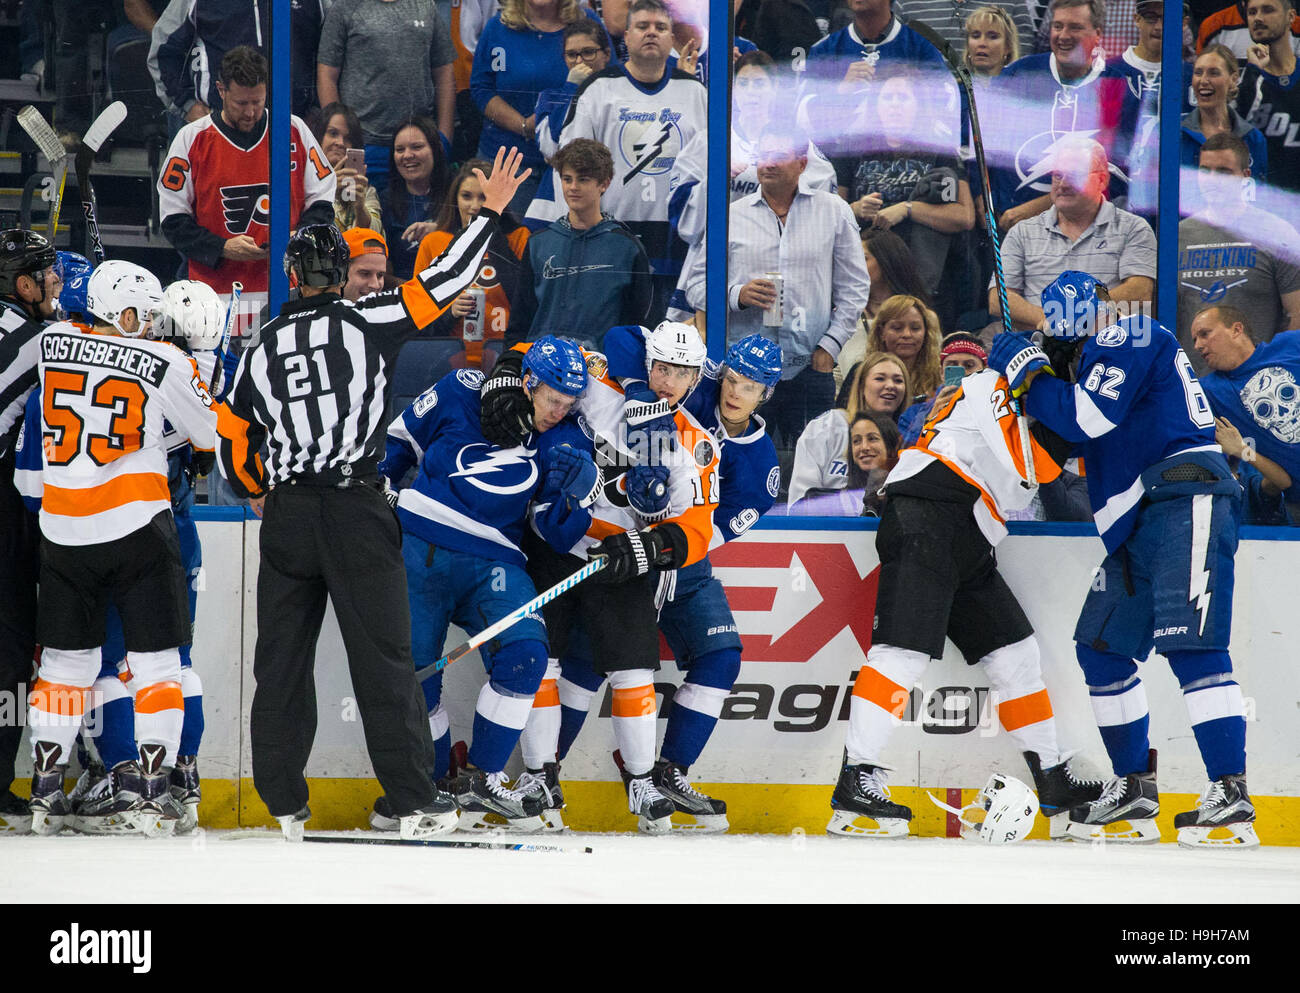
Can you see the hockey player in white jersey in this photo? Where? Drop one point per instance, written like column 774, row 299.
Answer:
column 110, row 535
column 946, row 506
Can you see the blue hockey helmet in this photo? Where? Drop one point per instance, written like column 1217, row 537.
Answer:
column 75, row 270
column 758, row 358
column 558, row 363
column 1070, row 305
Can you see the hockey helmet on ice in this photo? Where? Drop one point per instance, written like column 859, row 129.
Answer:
column 1009, row 808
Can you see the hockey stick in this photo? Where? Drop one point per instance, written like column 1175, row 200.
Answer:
column 105, row 124
column 232, row 314
column 439, row 843
column 48, row 142
column 512, row 618
column 961, row 73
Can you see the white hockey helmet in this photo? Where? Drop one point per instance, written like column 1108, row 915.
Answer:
column 676, row 343
column 1009, row 808
column 116, row 287
column 193, row 311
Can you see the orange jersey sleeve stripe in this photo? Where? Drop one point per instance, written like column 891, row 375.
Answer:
column 128, row 488
column 635, row 701
column 234, row 429
column 875, row 687
column 159, row 697
column 419, row 304
column 58, row 698
column 548, row 694
column 1025, row 710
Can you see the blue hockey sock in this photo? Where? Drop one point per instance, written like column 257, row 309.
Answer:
column 116, row 739
column 571, row 721
column 1214, row 708
column 1119, row 704
column 505, row 702
column 442, row 755
column 697, row 705
column 192, row 728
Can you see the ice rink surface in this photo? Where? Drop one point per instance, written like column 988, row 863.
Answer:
column 211, row 867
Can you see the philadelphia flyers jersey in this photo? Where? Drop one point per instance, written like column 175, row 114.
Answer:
column 227, row 190
column 105, row 406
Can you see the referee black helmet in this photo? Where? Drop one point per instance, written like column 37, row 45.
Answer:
column 22, row 253
column 317, row 256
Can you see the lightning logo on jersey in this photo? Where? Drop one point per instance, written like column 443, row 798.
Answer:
column 497, row 461
column 649, row 142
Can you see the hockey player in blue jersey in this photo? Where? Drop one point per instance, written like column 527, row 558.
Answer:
column 463, row 518
column 694, row 618
column 1166, row 506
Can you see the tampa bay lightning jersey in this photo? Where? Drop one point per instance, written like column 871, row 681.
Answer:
column 1261, row 397
column 749, row 476
column 468, row 494
column 1136, row 402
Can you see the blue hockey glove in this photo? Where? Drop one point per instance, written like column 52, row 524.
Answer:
column 1016, row 357
column 573, row 473
column 650, row 424
column 647, row 491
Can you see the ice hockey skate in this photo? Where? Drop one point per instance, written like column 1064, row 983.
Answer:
column 439, row 816
column 1059, row 790
column 654, row 810
column 292, row 826
column 156, row 817
column 49, row 806
column 1125, row 812
column 486, row 803
column 544, row 785
column 1224, row 817
column 184, row 788
column 861, row 795
column 15, row 816
column 705, row 814
column 114, row 804
column 91, row 776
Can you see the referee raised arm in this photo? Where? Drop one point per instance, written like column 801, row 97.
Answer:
column 315, row 390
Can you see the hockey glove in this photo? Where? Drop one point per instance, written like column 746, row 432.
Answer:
column 629, row 553
column 647, row 491
column 390, row 494
column 505, row 412
column 573, row 473
column 1017, row 358
column 650, row 424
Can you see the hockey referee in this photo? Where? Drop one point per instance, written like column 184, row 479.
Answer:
column 315, row 390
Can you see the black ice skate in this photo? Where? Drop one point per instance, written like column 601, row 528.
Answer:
column 156, row 817
column 487, row 803
column 1125, row 811
column 439, row 816
column 1059, row 790
column 49, row 806
column 113, row 805
column 1224, row 817
column 184, row 787
column 707, row 814
column 654, row 811
column 544, row 785
column 15, row 815
column 861, row 793
column 91, row 776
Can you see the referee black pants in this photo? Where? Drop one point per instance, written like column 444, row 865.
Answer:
column 344, row 543
column 19, row 569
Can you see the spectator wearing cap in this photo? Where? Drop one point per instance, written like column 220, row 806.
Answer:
column 961, row 350
column 368, row 254
column 1234, row 253
column 1080, row 230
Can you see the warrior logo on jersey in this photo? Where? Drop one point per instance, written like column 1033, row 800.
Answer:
column 1273, row 398
column 246, row 205
column 648, row 142
column 504, row 472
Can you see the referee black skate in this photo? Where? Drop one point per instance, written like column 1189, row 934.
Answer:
column 29, row 289
column 315, row 391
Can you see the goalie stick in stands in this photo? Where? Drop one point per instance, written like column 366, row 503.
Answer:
column 946, row 504
column 1166, row 507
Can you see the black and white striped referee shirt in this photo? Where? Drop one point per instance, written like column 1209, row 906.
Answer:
column 315, row 388
column 19, row 353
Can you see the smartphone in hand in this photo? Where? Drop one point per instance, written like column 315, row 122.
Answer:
column 355, row 159
column 953, row 375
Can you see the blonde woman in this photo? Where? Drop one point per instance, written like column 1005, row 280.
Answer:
column 991, row 42
column 1215, row 78
column 906, row 327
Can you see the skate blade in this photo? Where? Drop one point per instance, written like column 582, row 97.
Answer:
column 1058, row 826
column 1139, row 831
column 113, row 824
column 378, row 822
column 292, row 830
column 154, row 825
column 699, row 823
column 428, row 825
column 189, row 818
column 1220, row 836
column 846, row 824
column 15, row 824
column 480, row 820
column 654, row 825
column 45, row 824
column 553, row 819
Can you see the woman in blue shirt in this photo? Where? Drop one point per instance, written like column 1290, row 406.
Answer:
column 1214, row 81
column 418, row 183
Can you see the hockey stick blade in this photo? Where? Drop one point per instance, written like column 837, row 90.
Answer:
column 39, row 130
column 105, row 124
column 512, row 618
column 503, row 846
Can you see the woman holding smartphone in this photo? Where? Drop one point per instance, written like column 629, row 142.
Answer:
column 356, row 205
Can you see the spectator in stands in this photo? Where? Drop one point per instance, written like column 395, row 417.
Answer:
column 520, row 54
column 784, row 29
column 390, row 61
column 192, row 36
column 501, row 275
column 850, row 56
column 212, row 190
column 1120, row 30
column 1234, row 253
column 891, row 268
column 879, row 385
column 356, row 204
column 415, row 193
column 897, row 180
column 952, row 22
column 1269, row 97
column 1254, row 390
column 855, row 476
column 1080, row 230
column 993, row 41
column 585, row 272
column 906, row 327
column 645, row 113
column 960, row 349
column 811, row 238
column 1227, row 27
column 1215, row 81
column 368, row 255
